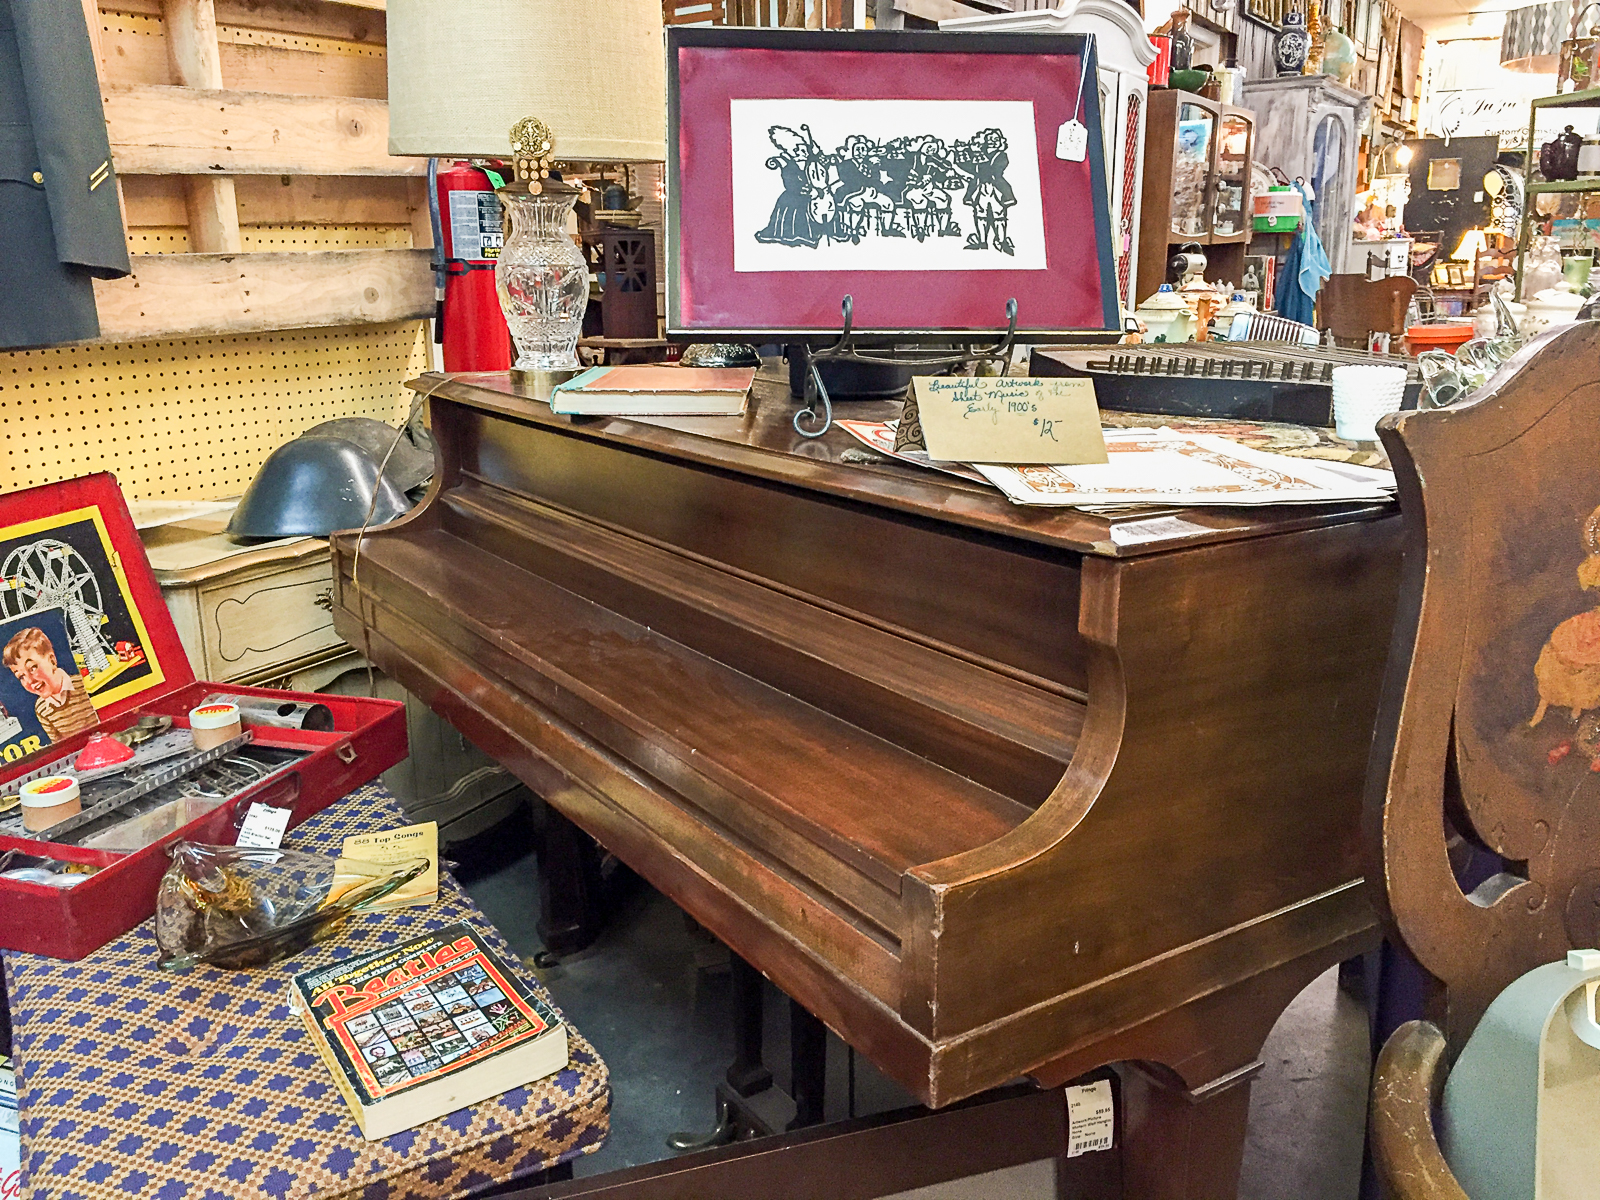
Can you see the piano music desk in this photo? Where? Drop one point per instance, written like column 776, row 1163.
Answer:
column 993, row 791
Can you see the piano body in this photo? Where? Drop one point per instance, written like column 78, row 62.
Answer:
column 993, row 791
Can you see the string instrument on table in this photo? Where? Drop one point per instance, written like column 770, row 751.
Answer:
column 1257, row 381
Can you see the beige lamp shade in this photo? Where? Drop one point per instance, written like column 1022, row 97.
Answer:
column 462, row 72
column 1472, row 244
column 1530, row 42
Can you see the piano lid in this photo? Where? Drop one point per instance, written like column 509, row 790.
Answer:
column 764, row 444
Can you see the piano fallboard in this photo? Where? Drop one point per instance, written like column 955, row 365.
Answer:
column 992, row 791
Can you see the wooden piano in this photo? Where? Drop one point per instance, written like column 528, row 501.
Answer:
column 992, row 791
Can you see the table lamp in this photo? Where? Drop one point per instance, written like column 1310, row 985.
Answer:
column 1472, row 244
column 538, row 82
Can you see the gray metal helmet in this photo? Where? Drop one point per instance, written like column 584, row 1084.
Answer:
column 313, row 486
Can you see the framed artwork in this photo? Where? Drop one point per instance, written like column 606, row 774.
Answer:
column 1264, row 12
column 931, row 179
column 1458, row 275
column 1358, row 25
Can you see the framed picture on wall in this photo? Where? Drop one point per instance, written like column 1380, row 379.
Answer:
column 931, row 180
column 1358, row 23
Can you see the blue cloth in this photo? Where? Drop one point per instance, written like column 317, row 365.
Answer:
column 1290, row 301
column 1304, row 269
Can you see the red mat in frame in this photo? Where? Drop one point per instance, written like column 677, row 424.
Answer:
column 842, row 201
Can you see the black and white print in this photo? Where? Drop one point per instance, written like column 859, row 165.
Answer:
column 890, row 185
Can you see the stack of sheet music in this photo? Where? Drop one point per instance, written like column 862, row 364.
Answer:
column 1162, row 467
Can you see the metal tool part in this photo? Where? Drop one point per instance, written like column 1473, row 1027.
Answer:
column 278, row 714
column 144, row 786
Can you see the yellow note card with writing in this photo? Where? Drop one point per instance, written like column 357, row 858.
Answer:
column 993, row 419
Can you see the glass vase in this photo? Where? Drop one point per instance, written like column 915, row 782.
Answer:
column 542, row 280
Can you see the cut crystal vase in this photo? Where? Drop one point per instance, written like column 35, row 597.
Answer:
column 542, row 281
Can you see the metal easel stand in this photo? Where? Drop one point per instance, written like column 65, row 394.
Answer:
column 930, row 358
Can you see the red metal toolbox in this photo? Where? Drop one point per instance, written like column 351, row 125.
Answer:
column 72, row 547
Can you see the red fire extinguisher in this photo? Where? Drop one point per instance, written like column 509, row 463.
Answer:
column 468, row 233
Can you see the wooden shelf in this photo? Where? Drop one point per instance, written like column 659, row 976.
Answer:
column 1590, row 183
column 179, row 295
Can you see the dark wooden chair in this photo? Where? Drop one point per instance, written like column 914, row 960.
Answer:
column 1489, row 727
column 1352, row 307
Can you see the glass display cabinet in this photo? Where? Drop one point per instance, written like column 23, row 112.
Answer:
column 1196, row 186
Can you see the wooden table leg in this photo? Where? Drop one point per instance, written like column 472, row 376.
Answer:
column 1183, row 1145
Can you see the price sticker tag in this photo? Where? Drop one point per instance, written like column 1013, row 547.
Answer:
column 1072, row 141
column 263, row 827
column 1090, row 1119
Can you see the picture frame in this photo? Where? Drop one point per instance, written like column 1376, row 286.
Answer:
column 930, row 178
column 1266, row 13
column 1458, row 276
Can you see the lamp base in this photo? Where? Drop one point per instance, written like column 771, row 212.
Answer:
column 541, row 385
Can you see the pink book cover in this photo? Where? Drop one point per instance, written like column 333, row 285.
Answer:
column 666, row 379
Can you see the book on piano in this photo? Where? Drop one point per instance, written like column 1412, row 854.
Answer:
column 421, row 1029
column 655, row 390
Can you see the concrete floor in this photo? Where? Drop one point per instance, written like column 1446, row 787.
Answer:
column 653, row 997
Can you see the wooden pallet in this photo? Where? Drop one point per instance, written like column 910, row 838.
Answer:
column 250, row 140
column 280, row 255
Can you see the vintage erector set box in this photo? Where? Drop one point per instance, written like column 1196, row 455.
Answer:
column 75, row 584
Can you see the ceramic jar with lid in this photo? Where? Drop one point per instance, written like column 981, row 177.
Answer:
column 1292, row 43
column 1553, row 306
column 1223, row 321
column 1558, row 158
column 1167, row 317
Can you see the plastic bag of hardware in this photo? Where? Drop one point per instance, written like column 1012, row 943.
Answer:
column 232, row 906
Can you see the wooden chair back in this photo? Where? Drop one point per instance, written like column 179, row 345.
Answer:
column 1353, row 307
column 1493, row 265
column 1489, row 725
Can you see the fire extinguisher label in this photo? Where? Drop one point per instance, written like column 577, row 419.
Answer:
column 475, row 230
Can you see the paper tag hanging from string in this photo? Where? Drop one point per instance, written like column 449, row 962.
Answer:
column 1072, row 141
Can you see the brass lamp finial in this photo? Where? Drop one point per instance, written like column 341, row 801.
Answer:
column 531, row 146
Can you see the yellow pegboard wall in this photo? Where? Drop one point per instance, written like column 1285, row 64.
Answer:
column 194, row 418
column 174, row 239
column 158, row 239
column 325, row 237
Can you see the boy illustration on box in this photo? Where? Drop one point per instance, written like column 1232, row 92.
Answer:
column 63, row 707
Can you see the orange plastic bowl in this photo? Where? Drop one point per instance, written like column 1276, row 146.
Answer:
column 1448, row 338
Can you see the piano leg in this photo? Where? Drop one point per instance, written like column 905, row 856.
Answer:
column 570, row 893
column 808, row 1059
column 1180, row 1144
column 748, row 1075
column 748, row 1105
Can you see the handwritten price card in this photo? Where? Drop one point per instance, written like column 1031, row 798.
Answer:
column 991, row 419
